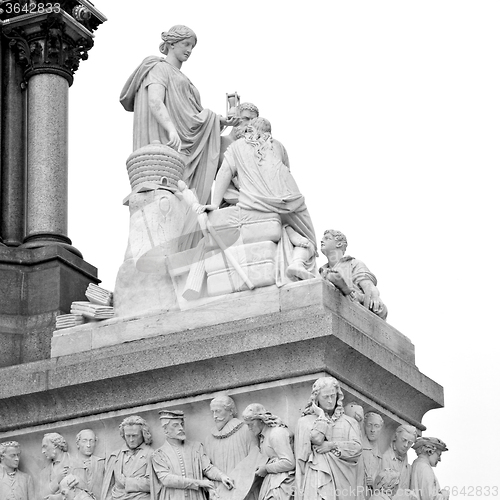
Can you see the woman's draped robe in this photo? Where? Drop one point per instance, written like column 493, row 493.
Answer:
column 198, row 128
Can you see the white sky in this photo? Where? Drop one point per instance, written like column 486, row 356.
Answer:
column 390, row 113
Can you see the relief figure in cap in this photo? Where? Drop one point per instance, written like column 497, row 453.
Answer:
column 127, row 475
column 181, row 469
column 423, row 481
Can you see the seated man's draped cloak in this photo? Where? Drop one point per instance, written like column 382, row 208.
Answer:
column 198, row 128
column 267, row 185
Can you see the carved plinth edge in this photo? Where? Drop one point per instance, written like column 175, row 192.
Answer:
column 36, row 240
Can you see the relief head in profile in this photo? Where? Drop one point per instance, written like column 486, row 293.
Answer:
column 55, row 450
column 278, row 469
column 423, row 479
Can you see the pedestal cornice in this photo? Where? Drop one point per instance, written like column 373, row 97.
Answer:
column 293, row 331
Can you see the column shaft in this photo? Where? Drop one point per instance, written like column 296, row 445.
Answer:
column 47, row 217
column 13, row 159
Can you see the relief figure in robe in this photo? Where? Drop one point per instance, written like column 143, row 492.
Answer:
column 327, row 446
column 55, row 449
column 181, row 468
column 396, row 456
column 372, row 456
column 276, row 446
column 230, row 441
column 87, row 467
column 127, row 473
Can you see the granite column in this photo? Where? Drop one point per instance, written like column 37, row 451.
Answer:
column 13, row 156
column 47, row 214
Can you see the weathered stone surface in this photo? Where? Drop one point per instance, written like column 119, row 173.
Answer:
column 187, row 360
column 35, row 286
column 143, row 283
column 285, row 397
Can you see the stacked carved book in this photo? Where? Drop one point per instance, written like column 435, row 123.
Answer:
column 99, row 307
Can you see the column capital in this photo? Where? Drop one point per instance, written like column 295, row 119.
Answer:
column 53, row 39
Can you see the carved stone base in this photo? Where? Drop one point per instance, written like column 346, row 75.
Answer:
column 49, row 239
column 35, row 286
column 267, row 346
column 143, row 283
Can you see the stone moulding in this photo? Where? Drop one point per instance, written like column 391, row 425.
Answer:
column 297, row 330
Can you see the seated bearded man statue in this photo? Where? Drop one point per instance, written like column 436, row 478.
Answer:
column 266, row 185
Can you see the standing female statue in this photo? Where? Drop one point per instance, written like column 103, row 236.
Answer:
column 327, row 446
column 167, row 108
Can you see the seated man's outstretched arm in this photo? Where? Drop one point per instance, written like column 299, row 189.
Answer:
column 222, row 182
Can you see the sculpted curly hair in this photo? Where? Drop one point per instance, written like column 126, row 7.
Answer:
column 7, row 444
column 136, row 420
column 337, row 236
column 256, row 411
column 320, row 384
column 57, row 440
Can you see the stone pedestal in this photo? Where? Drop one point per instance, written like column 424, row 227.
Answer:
column 267, row 345
column 40, row 50
column 36, row 285
column 242, row 339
